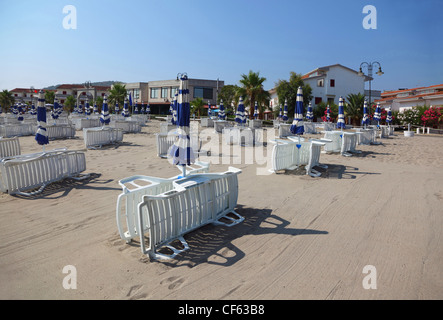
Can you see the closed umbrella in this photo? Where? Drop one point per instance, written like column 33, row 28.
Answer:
column 310, row 113
column 365, row 120
column 148, row 110
column 41, row 135
column 117, row 109
column 174, row 107
column 95, row 110
column 221, row 114
column 135, row 108
column 240, row 117
column 105, row 118
column 389, row 116
column 285, row 111
column 125, row 112
column 328, row 114
column 33, row 112
column 181, row 152
column 20, row 112
column 280, row 114
column 297, row 125
column 377, row 114
column 87, row 109
column 80, row 108
column 341, row 114
column 256, row 110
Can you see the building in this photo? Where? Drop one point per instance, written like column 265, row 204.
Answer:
column 161, row 93
column 329, row 83
column 138, row 91
column 81, row 93
column 403, row 99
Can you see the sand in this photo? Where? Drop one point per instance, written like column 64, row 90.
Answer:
column 302, row 238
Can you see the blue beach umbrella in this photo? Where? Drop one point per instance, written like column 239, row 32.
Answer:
column 142, row 109
column 135, row 108
column 310, row 113
column 341, row 114
column 377, row 114
column 285, row 111
column 95, row 110
column 256, row 110
column 54, row 111
column 87, row 109
column 389, row 116
column 222, row 114
column 240, row 117
column 32, row 111
column 117, row 109
column 125, row 112
column 80, row 108
column 20, row 112
column 105, row 118
column 328, row 114
column 297, row 125
column 41, row 135
column 15, row 110
column 181, row 151
column 148, row 109
column 280, row 114
column 174, row 106
column 209, row 109
column 365, row 120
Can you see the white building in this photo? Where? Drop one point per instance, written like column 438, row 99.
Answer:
column 329, row 83
column 403, row 99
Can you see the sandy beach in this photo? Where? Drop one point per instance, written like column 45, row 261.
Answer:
column 302, row 237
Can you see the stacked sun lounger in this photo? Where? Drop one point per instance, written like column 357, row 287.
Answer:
column 100, row 136
column 164, row 210
column 22, row 173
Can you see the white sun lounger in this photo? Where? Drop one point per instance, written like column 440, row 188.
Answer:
column 366, row 136
column 343, row 142
column 126, row 126
column 9, row 147
column 239, row 135
column 193, row 202
column 165, row 142
column 288, row 155
column 100, row 136
column 16, row 130
column 27, row 172
column 309, row 127
column 60, row 131
column 83, row 123
column 219, row 125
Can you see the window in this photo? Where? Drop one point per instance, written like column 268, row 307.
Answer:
column 154, row 93
column 136, row 94
column 64, row 92
column 320, row 83
column 332, row 83
column 164, row 92
column 201, row 92
column 317, row 100
column 173, row 92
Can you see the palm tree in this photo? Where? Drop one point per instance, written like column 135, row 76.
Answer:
column 354, row 107
column 252, row 90
column 6, row 100
column 117, row 94
column 197, row 106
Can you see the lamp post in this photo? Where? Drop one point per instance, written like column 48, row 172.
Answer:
column 370, row 66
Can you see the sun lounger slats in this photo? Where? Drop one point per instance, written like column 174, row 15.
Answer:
column 16, row 130
column 27, row 172
column 82, row 123
column 60, row 131
column 309, row 127
column 100, row 136
column 9, row 147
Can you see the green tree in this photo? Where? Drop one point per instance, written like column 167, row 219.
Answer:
column 49, row 97
column 251, row 89
column 287, row 90
column 197, row 106
column 117, row 94
column 69, row 104
column 227, row 94
column 6, row 100
column 354, row 107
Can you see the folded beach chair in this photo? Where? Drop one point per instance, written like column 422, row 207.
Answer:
column 9, row 147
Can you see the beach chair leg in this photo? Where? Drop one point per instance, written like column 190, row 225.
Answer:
column 163, row 256
column 27, row 194
column 81, row 177
column 314, row 173
column 233, row 221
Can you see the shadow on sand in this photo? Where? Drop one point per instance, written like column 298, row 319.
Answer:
column 214, row 244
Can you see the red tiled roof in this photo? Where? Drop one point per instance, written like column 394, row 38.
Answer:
column 394, row 92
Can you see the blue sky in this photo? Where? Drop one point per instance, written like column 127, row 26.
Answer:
column 146, row 40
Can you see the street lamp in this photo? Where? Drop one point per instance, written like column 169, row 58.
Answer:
column 369, row 66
